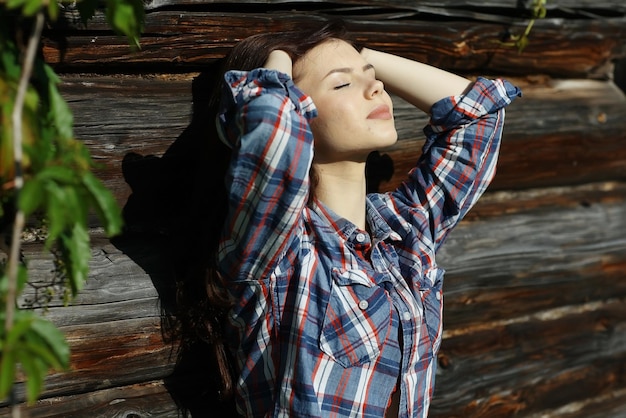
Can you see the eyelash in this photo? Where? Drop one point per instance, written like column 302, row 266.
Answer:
column 342, row 86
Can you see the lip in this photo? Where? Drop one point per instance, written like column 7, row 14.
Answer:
column 380, row 112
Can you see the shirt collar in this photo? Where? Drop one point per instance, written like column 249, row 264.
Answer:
column 379, row 228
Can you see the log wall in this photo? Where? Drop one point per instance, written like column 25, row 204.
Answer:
column 535, row 319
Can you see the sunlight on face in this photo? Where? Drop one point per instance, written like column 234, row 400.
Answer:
column 355, row 113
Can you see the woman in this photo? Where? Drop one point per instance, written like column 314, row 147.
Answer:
column 336, row 294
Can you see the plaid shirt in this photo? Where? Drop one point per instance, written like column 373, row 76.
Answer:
column 329, row 319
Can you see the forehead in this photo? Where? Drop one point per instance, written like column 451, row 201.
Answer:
column 325, row 57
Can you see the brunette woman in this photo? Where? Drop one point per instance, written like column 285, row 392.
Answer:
column 335, row 294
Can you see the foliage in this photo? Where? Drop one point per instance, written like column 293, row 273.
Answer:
column 538, row 11
column 45, row 173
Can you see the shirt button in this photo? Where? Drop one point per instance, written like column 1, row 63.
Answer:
column 406, row 316
column 360, row 237
column 363, row 305
column 438, row 295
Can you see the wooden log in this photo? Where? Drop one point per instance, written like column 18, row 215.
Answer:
column 144, row 131
column 535, row 289
column 537, row 307
column 146, row 399
column 559, row 133
column 534, row 301
column 542, row 271
column 610, row 404
column 560, row 366
column 182, row 40
column 455, row 7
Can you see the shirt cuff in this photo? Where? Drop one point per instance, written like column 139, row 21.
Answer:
column 484, row 97
column 243, row 86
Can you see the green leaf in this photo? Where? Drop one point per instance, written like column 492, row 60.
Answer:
column 61, row 113
column 55, row 339
column 79, row 254
column 126, row 17
column 4, row 286
column 12, row 4
column 53, row 10
column 31, row 7
column 31, row 196
column 7, row 371
column 21, row 325
column 39, row 349
column 22, row 278
column 59, row 174
column 105, row 204
column 10, row 62
column 76, row 205
column 55, row 211
column 34, row 376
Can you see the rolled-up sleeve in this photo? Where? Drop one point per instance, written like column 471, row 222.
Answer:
column 460, row 154
column 264, row 118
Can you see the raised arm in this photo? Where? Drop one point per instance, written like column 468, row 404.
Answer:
column 459, row 156
column 264, row 119
column 419, row 84
column 279, row 60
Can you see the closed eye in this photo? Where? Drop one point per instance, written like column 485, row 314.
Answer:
column 342, row 86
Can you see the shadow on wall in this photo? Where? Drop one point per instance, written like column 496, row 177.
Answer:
column 619, row 74
column 169, row 220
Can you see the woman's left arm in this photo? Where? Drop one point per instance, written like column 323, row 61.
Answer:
column 459, row 156
column 420, row 84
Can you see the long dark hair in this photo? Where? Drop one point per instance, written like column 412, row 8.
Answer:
column 201, row 302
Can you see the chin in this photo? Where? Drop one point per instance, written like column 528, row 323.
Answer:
column 390, row 139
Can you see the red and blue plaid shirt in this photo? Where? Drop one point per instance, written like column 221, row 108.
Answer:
column 328, row 318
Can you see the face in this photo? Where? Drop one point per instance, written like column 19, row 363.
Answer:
column 355, row 113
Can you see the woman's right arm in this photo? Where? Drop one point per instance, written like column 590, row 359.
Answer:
column 265, row 120
column 280, row 61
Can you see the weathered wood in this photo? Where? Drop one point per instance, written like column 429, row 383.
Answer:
column 561, row 132
column 189, row 40
column 558, row 302
column 571, row 354
column 149, row 399
column 582, row 7
column 574, row 259
column 530, row 309
column 535, row 320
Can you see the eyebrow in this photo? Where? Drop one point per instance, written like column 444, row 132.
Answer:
column 366, row 67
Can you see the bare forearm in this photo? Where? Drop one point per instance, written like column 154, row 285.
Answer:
column 279, row 60
column 420, row 84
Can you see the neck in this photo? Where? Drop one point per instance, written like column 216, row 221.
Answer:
column 342, row 188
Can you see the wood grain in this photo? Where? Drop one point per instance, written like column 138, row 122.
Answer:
column 188, row 40
column 534, row 303
column 561, row 132
column 535, row 292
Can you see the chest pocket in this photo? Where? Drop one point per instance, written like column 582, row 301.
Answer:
column 357, row 320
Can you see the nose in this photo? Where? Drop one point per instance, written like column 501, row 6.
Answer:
column 375, row 88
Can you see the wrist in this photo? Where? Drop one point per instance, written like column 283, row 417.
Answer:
column 365, row 53
column 279, row 60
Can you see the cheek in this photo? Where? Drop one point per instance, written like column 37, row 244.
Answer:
column 335, row 126
column 320, row 133
column 327, row 123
